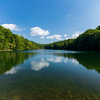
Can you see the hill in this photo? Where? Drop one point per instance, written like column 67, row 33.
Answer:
column 10, row 41
column 89, row 40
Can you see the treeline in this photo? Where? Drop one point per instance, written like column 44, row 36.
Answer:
column 10, row 41
column 89, row 40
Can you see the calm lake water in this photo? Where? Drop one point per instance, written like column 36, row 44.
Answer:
column 49, row 75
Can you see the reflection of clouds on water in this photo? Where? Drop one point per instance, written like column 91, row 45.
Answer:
column 66, row 60
column 36, row 65
column 42, row 59
column 14, row 70
column 75, row 61
column 56, row 60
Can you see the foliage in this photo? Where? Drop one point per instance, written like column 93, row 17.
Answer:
column 89, row 40
column 10, row 41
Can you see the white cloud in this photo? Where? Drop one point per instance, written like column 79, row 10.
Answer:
column 39, row 65
column 50, row 37
column 14, row 70
column 12, row 27
column 51, row 42
column 57, row 37
column 77, row 33
column 67, row 38
column 42, row 37
column 35, row 31
column 65, row 35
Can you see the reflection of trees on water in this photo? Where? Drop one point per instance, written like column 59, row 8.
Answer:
column 89, row 60
column 9, row 60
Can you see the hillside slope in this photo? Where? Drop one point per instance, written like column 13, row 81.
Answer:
column 10, row 41
column 89, row 40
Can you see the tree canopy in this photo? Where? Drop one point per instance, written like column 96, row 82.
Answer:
column 89, row 40
column 10, row 41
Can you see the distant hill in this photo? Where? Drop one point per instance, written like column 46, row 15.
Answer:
column 10, row 41
column 89, row 40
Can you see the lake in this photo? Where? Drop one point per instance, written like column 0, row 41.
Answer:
column 49, row 75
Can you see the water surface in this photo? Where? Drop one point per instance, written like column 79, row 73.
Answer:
column 49, row 75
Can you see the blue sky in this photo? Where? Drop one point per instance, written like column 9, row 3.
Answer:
column 46, row 21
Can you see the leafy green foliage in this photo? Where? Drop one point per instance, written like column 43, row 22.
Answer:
column 89, row 40
column 10, row 41
column 98, row 28
column 67, row 44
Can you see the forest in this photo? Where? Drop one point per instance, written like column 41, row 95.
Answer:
column 12, row 42
column 89, row 40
